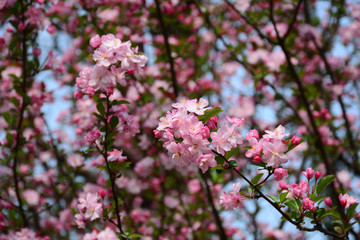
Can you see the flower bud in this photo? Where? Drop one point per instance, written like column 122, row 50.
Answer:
column 95, row 41
column 280, row 174
column 309, row 173
column 157, row 134
column 51, row 29
column 283, row 185
column 257, row 158
column 37, row 52
column 328, row 201
column 317, row 175
column 102, row 193
column 78, row 95
column 295, row 140
column 211, row 123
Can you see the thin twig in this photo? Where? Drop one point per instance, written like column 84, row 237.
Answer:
column 276, row 206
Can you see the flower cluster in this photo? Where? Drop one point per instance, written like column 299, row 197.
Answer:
column 106, row 234
column 272, row 146
column 185, row 136
column 232, row 200
column 113, row 60
column 90, row 208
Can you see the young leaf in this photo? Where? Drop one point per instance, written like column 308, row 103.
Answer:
column 209, row 114
column 291, row 146
column 291, row 203
column 230, row 153
column 274, row 197
column 351, row 209
column 100, row 108
column 114, row 121
column 283, row 196
column 257, row 178
column 233, row 164
column 132, row 236
column 324, row 182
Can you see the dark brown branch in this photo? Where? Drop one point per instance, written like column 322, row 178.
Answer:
column 222, row 233
column 343, row 109
column 293, row 20
column 111, row 176
column 168, row 48
column 22, row 111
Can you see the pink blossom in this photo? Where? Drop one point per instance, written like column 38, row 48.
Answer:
column 256, row 147
column 232, row 200
column 295, row 190
column 307, row 204
column 206, row 161
column 32, row 197
column 180, row 155
column 346, row 200
column 304, row 186
column 196, row 144
column 95, row 41
column 92, row 136
column 75, row 160
column 90, row 208
column 278, row 133
column 220, row 140
column 107, row 234
column 194, row 186
column 252, row 134
column 274, row 153
column 101, row 78
column 116, row 156
column 280, row 174
column 104, row 56
column 197, row 106
column 144, row 167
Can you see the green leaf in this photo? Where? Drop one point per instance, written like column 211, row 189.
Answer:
column 233, row 164
column 15, row 101
column 247, row 147
column 317, row 198
column 116, row 102
column 10, row 139
column 209, row 114
column 7, row 117
column 291, row 146
column 230, row 153
column 291, row 203
column 258, row 164
column 132, row 236
column 257, row 178
column 350, row 211
column 324, row 182
column 283, row 196
column 219, row 160
column 275, row 198
column 100, row 108
column 114, row 121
